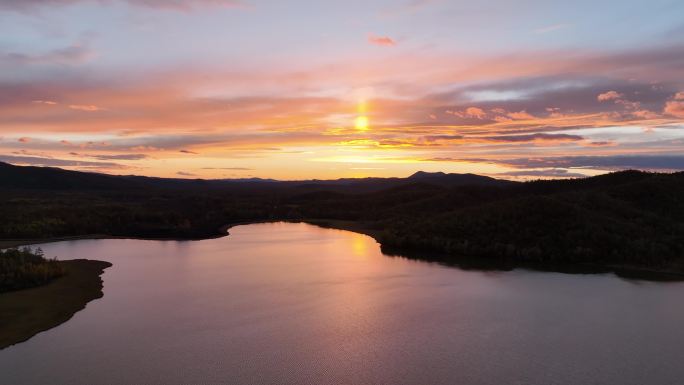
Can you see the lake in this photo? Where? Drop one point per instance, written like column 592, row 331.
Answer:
column 285, row 303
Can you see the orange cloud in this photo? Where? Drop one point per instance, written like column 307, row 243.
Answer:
column 475, row 112
column 522, row 115
column 84, row 107
column 502, row 119
column 381, row 40
column 221, row 114
column 645, row 114
column 674, row 108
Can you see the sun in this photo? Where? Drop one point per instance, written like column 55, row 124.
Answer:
column 361, row 123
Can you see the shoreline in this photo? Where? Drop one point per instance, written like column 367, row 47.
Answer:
column 484, row 264
column 221, row 232
column 471, row 263
column 28, row 312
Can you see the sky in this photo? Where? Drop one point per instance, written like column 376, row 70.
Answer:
column 329, row 89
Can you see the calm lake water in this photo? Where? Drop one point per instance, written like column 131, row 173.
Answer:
column 296, row 304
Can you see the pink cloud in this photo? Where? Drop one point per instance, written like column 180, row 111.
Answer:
column 610, row 95
column 475, row 112
column 619, row 99
column 381, row 40
column 458, row 114
column 628, row 104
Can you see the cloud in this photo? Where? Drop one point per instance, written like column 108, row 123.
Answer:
column 674, row 108
column 475, row 112
column 24, row 140
column 180, row 5
column 627, row 104
column 522, row 115
column 610, row 95
column 679, row 96
column 552, row 28
column 603, row 143
column 607, row 162
column 541, row 137
column 645, row 114
column 111, row 157
column 549, row 173
column 53, row 162
column 188, row 152
column 183, row 173
column 228, row 168
column 240, row 115
column 74, row 54
column 186, row 4
column 85, row 107
column 381, row 40
column 47, row 102
column 432, row 138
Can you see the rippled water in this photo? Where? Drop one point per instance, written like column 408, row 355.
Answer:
column 296, row 304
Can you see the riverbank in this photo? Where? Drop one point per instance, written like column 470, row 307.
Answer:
column 25, row 313
column 464, row 262
column 10, row 243
column 475, row 263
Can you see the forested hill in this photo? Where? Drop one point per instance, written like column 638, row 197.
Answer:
column 627, row 218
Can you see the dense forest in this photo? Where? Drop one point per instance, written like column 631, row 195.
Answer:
column 25, row 267
column 628, row 218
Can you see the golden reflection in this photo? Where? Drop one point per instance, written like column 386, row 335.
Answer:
column 360, row 245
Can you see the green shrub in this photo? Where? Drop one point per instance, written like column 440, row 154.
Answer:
column 25, row 267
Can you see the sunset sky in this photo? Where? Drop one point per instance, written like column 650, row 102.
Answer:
column 327, row 89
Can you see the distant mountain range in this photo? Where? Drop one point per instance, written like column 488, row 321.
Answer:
column 30, row 177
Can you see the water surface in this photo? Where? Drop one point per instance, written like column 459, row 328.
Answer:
column 290, row 303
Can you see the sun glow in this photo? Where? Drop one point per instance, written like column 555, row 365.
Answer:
column 361, row 123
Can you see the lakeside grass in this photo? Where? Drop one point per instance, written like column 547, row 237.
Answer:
column 25, row 313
